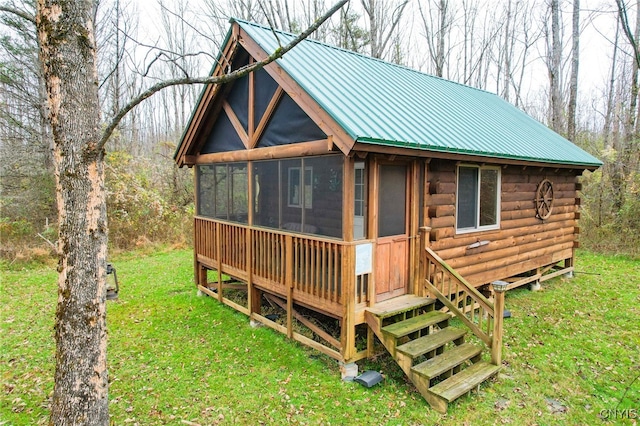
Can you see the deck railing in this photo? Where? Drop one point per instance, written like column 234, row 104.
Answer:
column 479, row 314
column 311, row 267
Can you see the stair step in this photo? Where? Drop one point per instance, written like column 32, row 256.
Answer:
column 400, row 304
column 408, row 326
column 446, row 361
column 431, row 342
column 466, row 380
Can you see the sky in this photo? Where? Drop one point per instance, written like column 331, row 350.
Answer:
column 595, row 43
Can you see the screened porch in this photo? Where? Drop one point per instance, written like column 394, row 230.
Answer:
column 278, row 226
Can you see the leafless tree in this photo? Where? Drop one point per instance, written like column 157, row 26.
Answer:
column 437, row 21
column 554, row 67
column 26, row 183
column 575, row 62
column 384, row 17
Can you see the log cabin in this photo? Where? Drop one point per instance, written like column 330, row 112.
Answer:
column 342, row 189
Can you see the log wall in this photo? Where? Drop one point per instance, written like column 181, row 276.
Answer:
column 524, row 242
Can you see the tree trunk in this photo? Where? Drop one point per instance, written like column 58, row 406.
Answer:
column 554, row 68
column 68, row 54
column 508, row 51
column 573, row 83
column 626, row 153
column 630, row 132
column 443, row 8
column 608, row 116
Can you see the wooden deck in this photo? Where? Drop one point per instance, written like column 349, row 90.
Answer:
column 305, row 270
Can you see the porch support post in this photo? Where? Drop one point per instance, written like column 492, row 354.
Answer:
column 289, row 283
column 499, row 288
column 414, row 222
column 253, row 296
column 249, row 269
column 219, row 258
column 196, row 230
column 348, row 194
column 348, row 338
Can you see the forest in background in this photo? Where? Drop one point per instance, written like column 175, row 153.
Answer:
column 526, row 51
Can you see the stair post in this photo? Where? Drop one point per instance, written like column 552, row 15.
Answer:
column 422, row 261
column 499, row 288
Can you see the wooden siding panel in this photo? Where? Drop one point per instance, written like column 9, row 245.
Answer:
column 523, row 242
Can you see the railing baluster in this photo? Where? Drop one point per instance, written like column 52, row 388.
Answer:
column 314, row 264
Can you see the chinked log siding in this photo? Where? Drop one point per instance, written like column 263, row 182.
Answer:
column 523, row 242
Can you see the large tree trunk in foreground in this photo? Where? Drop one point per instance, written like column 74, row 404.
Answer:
column 68, row 53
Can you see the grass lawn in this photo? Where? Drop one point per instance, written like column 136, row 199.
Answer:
column 572, row 356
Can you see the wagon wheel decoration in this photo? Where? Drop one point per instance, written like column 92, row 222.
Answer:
column 544, row 199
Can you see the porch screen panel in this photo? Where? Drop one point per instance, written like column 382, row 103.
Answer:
column 206, row 188
column 239, row 188
column 221, row 192
column 266, row 194
column 325, row 215
column 292, row 197
column 302, row 195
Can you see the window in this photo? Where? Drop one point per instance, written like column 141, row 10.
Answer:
column 478, row 198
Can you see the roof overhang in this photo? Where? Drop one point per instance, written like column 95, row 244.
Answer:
column 410, row 150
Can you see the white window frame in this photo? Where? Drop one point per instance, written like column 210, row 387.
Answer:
column 478, row 228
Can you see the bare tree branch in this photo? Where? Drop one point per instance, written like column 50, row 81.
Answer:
column 278, row 53
column 624, row 19
column 21, row 13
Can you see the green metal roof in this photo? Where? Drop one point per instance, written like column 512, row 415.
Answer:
column 377, row 102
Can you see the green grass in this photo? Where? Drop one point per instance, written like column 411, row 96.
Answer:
column 571, row 350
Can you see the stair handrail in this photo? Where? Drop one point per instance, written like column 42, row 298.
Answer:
column 487, row 322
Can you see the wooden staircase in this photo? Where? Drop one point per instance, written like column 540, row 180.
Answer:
column 432, row 354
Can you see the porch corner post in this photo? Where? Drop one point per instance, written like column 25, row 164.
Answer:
column 348, row 338
column 289, row 283
column 219, row 258
column 249, row 270
column 196, row 264
column 499, row 289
